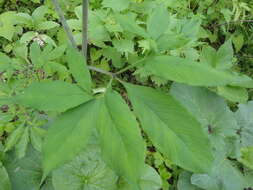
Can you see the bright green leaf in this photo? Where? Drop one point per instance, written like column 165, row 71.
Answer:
column 22, row 144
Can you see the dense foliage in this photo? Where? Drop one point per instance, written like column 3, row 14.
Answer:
column 162, row 100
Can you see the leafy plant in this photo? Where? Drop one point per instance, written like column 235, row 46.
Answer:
column 150, row 80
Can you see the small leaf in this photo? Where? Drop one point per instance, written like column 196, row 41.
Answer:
column 36, row 135
column 123, row 148
column 225, row 56
column 47, row 25
column 68, row 135
column 13, row 138
column 247, row 157
column 128, row 23
column 158, row 22
column 175, row 132
column 79, row 69
column 22, row 144
column 4, row 179
column 234, row 94
column 52, row 96
column 40, row 12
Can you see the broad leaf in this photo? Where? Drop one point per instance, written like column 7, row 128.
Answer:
column 184, row 182
column 175, row 132
column 123, row 148
column 158, row 22
column 4, row 179
column 223, row 176
column 190, row 72
column 244, row 117
column 87, row 171
column 79, row 69
column 7, row 24
column 52, row 96
column 150, row 180
column 116, row 5
column 211, row 111
column 68, row 135
column 26, row 173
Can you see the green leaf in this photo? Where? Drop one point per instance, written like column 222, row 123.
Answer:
column 79, row 69
column 158, row 22
column 26, row 173
column 28, row 36
column 52, row 96
column 68, row 135
column 7, row 22
column 13, row 138
column 124, row 46
column 245, row 120
column 184, row 182
column 36, row 135
column 225, row 56
column 247, row 157
column 205, row 181
column 234, row 94
column 238, row 41
column 223, row 176
column 114, row 55
column 150, row 180
column 39, row 13
column 47, row 25
column 123, row 148
column 190, row 72
column 5, row 181
column 86, row 171
column 22, row 144
column 128, row 23
column 116, row 5
column 175, row 132
column 211, row 111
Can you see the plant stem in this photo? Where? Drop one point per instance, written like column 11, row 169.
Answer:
column 130, row 66
column 85, row 27
column 64, row 23
column 71, row 37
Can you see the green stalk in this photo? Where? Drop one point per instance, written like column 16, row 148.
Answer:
column 85, row 27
